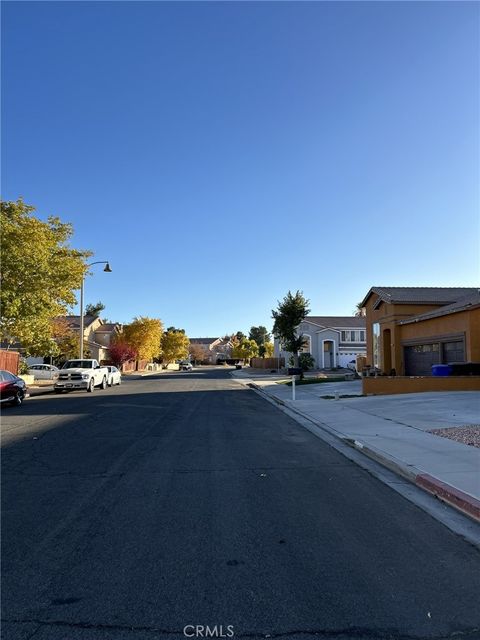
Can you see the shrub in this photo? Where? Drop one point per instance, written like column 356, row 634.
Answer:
column 305, row 361
column 23, row 368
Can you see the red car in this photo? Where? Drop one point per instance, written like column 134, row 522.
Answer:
column 13, row 389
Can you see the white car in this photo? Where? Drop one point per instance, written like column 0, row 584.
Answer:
column 185, row 366
column 352, row 365
column 114, row 376
column 43, row 371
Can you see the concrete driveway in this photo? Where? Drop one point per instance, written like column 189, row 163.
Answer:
column 422, row 410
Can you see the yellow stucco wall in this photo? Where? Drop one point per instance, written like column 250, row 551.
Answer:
column 466, row 323
column 473, row 338
column 384, row 385
column 387, row 316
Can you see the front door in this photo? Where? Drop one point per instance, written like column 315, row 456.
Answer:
column 328, row 361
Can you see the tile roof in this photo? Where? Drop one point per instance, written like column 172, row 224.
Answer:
column 467, row 302
column 74, row 321
column 109, row 326
column 203, row 340
column 420, row 295
column 356, row 322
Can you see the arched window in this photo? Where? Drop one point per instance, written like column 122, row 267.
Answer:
column 307, row 347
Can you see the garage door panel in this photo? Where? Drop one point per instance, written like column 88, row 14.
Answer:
column 420, row 358
column 454, row 351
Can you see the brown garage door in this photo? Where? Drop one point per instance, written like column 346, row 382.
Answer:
column 420, row 358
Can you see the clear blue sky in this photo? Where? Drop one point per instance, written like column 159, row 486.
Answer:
column 219, row 154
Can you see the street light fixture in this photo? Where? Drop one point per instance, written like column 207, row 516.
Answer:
column 108, row 270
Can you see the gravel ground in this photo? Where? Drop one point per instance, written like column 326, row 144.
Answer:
column 468, row 434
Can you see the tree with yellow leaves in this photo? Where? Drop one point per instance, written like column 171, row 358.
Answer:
column 245, row 349
column 174, row 345
column 144, row 335
column 39, row 275
column 268, row 349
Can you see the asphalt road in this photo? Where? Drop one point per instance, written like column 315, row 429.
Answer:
column 186, row 499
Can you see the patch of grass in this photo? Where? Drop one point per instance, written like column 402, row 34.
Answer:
column 311, row 381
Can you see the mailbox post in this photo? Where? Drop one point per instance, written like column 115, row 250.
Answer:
column 294, row 372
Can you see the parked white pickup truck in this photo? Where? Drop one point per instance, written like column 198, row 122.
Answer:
column 81, row 374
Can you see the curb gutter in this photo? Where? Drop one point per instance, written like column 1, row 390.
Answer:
column 454, row 497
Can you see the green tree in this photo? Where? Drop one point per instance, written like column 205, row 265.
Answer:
column 144, row 335
column 288, row 315
column 174, row 345
column 39, row 274
column 261, row 337
column 245, row 349
column 360, row 312
column 175, row 329
column 94, row 309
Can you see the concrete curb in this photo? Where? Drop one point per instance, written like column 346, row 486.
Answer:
column 39, row 391
column 454, row 497
column 451, row 495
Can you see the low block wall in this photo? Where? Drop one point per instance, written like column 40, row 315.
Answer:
column 405, row 384
column 266, row 363
column 129, row 366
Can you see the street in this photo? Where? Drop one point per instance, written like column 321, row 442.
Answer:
column 182, row 500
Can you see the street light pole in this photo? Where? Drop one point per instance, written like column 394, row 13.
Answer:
column 108, row 270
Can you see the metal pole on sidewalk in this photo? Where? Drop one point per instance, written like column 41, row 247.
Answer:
column 293, row 387
column 82, row 323
column 82, row 330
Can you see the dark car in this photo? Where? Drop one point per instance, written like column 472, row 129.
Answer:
column 13, row 389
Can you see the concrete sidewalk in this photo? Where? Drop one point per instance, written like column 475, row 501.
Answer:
column 393, row 431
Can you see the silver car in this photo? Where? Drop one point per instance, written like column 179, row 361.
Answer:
column 43, row 371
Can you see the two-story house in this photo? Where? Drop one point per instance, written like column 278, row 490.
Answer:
column 333, row 341
column 215, row 349
column 97, row 334
column 409, row 329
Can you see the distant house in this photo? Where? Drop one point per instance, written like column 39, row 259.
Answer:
column 104, row 334
column 409, row 329
column 97, row 334
column 333, row 341
column 215, row 349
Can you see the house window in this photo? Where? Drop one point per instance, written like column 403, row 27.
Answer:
column 307, row 346
column 376, row 344
column 353, row 336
